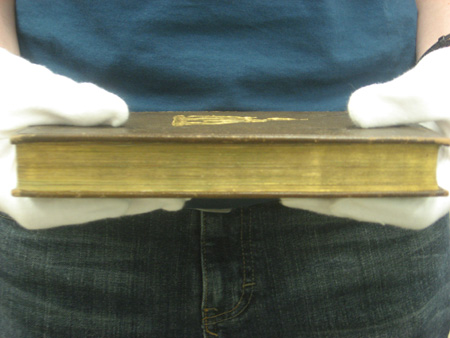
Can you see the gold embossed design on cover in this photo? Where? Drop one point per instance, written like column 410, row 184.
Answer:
column 181, row 120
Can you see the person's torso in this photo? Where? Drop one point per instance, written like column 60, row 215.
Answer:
column 246, row 55
column 222, row 55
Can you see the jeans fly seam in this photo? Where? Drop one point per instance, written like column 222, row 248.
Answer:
column 205, row 275
column 245, row 284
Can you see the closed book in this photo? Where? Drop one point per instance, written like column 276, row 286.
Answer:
column 228, row 155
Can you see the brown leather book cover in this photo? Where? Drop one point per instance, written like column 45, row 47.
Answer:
column 234, row 126
column 228, row 154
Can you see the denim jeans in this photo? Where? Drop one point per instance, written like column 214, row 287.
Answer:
column 259, row 271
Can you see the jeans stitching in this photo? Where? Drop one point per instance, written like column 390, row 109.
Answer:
column 245, row 284
column 205, row 278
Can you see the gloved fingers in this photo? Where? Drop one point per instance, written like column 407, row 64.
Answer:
column 318, row 205
column 419, row 95
column 140, row 205
column 443, row 168
column 41, row 213
column 409, row 213
column 33, row 95
column 442, row 126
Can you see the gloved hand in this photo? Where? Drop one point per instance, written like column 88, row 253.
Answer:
column 418, row 96
column 33, row 95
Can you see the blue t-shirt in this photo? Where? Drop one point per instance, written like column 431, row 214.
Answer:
column 285, row 55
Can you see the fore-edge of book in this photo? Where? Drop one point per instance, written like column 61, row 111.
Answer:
column 225, row 154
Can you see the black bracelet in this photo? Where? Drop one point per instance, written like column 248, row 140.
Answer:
column 443, row 41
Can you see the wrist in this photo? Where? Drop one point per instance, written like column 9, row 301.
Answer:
column 8, row 34
column 443, row 41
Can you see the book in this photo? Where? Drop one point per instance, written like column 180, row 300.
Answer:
column 225, row 154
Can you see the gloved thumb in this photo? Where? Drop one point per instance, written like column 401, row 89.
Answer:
column 419, row 95
column 34, row 95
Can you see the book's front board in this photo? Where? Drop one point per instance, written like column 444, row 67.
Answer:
column 225, row 126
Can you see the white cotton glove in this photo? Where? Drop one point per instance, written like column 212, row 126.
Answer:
column 418, row 96
column 33, row 95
